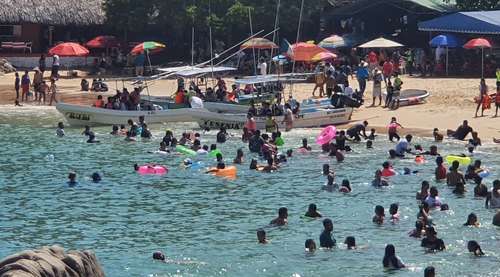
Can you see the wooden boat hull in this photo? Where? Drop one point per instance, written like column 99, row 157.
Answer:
column 77, row 115
column 317, row 118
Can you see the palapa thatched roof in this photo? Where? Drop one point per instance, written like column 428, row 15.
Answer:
column 52, row 12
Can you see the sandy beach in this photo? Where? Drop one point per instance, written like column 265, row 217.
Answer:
column 451, row 102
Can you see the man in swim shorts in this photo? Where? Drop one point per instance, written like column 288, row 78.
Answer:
column 357, row 130
column 461, row 132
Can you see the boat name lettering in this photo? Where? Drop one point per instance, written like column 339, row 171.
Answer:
column 227, row 125
column 78, row 116
column 335, row 111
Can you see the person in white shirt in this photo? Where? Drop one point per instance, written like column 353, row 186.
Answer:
column 55, row 67
column 262, row 67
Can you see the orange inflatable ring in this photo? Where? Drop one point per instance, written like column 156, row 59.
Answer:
column 229, row 171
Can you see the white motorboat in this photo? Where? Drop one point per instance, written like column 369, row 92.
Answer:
column 310, row 119
column 78, row 115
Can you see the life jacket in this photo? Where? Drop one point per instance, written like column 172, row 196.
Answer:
column 486, row 101
column 388, row 172
column 179, row 98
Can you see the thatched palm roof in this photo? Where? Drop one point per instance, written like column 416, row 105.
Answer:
column 52, row 12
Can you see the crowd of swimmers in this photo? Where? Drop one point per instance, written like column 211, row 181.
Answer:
column 267, row 147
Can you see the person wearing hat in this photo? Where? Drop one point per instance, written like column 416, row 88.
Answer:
column 362, row 75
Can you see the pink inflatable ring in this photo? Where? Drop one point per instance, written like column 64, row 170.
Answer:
column 152, row 170
column 326, row 135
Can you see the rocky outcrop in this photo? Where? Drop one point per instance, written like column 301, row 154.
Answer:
column 6, row 67
column 51, row 262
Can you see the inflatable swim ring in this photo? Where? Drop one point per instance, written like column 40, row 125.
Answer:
column 280, row 141
column 483, row 174
column 461, row 160
column 152, row 170
column 229, row 171
column 419, row 159
column 214, row 153
column 388, row 172
column 326, row 135
column 184, row 150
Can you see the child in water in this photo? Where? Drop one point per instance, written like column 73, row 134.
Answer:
column 310, row 246
column 379, row 216
column 438, row 137
column 282, row 218
column 261, row 236
column 305, row 147
column 330, row 183
column 345, row 187
column 72, row 179
column 393, row 210
column 312, row 211
column 372, row 135
column 393, row 129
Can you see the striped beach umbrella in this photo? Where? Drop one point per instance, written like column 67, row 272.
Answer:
column 333, row 42
column 258, row 43
column 324, row 56
column 148, row 46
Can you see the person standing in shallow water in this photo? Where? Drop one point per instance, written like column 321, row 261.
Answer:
column 391, row 261
column 282, row 218
column 312, row 211
column 326, row 239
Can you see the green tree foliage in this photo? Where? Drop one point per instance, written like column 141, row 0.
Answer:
column 172, row 21
column 474, row 5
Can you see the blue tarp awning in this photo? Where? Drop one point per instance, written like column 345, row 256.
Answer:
column 482, row 22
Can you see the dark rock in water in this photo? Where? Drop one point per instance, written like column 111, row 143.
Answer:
column 51, row 262
column 496, row 219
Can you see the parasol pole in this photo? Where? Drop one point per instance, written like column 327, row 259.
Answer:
column 297, row 41
column 192, row 45
column 446, row 60
column 211, row 44
column 482, row 62
column 149, row 61
column 253, row 48
column 276, row 22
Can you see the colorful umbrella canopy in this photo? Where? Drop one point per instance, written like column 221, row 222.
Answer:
column 449, row 41
column 103, row 42
column 477, row 43
column 69, row 49
column 304, row 52
column 324, row 56
column 148, row 46
column 381, row 43
column 333, row 42
column 258, row 43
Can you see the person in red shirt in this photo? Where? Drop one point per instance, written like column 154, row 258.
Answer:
column 387, row 70
column 440, row 169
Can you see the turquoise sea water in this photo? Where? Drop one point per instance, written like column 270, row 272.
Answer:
column 211, row 221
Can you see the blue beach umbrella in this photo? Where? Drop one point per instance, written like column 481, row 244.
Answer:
column 446, row 40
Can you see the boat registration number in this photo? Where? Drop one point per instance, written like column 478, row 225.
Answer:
column 78, row 116
column 227, row 125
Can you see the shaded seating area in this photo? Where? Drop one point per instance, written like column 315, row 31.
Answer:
column 481, row 22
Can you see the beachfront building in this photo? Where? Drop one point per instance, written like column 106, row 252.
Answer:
column 362, row 20
column 28, row 26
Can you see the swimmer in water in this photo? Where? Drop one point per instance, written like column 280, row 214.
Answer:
column 261, row 236
column 123, row 130
column 159, row 256
column 239, row 157
column 220, row 164
column 480, row 190
column 92, row 138
column 271, row 166
column 289, row 153
column 419, row 230
column 369, row 144
column 393, row 210
column 431, row 241
column 350, row 242
column 379, row 216
column 433, row 151
column 330, row 184
column 372, row 134
column 345, row 187
column 282, row 218
column 305, row 146
column 474, row 248
column 60, row 129
column 326, row 170
column 313, row 212
column 96, row 177
column 379, row 181
column 114, row 130
column 433, row 198
column 438, row 137
column 440, row 171
column 424, row 191
column 472, row 220
column 326, row 240
column 390, row 260
column 430, row 271
column 255, row 166
column 310, row 246
column 196, row 145
column 334, row 152
column 72, row 179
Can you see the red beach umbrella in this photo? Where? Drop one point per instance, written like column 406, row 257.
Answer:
column 103, row 42
column 69, row 49
column 476, row 44
column 304, row 52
